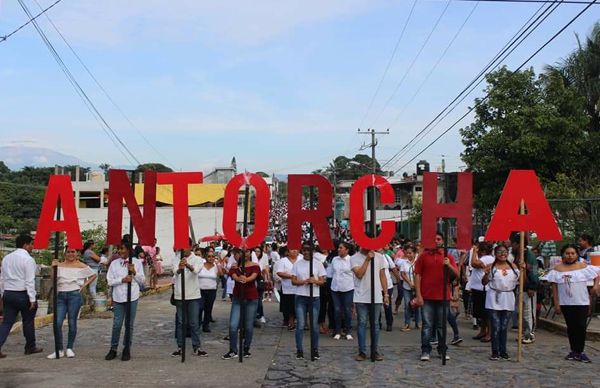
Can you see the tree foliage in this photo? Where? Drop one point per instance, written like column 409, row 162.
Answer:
column 344, row 168
column 158, row 167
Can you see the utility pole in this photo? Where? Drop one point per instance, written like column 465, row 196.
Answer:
column 373, row 228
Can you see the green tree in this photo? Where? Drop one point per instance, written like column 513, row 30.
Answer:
column 158, row 167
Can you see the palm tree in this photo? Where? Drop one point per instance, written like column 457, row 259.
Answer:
column 581, row 70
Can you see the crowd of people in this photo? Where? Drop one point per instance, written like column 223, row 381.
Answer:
column 330, row 292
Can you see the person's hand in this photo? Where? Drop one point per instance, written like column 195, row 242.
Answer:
column 33, row 306
column 530, row 293
column 370, row 255
column 596, row 290
column 446, row 261
column 126, row 279
column 55, row 263
column 475, row 249
column 242, row 279
column 420, row 301
column 131, row 268
column 386, row 299
column 557, row 309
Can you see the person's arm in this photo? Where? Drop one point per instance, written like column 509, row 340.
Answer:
column 384, row 286
column 359, row 271
column 252, row 277
column 89, row 279
column 112, row 278
column 94, row 256
column 451, row 264
column 30, row 268
column 555, row 298
column 405, row 277
column 475, row 261
column 139, row 272
column 419, row 296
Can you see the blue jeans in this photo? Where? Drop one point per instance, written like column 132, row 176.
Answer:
column 234, row 323
column 499, row 320
column 15, row 302
column 193, row 308
column 408, row 312
column 92, row 286
column 362, row 311
column 342, row 308
column 118, row 319
column 432, row 323
column 452, row 322
column 68, row 304
column 302, row 304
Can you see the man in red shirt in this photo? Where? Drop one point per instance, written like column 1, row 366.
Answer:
column 429, row 283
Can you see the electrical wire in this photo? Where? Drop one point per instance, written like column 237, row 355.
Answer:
column 3, row 38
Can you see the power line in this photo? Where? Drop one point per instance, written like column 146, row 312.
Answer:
column 387, row 68
column 530, row 24
column 387, row 103
column 479, row 102
column 102, row 88
column 89, row 104
column 3, row 38
column 532, row 1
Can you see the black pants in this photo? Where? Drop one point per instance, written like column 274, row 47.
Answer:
column 209, row 301
column 324, row 291
column 18, row 302
column 576, row 319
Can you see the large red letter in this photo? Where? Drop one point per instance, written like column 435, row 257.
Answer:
column 261, row 210
column 180, row 182
column 119, row 190
column 523, row 185
column 59, row 189
column 357, row 212
column 462, row 209
column 317, row 216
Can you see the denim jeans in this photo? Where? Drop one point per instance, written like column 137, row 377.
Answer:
column 224, row 286
column 118, row 319
column 362, row 311
column 193, row 308
column 499, row 320
column 433, row 324
column 92, row 286
column 15, row 302
column 234, row 323
column 302, row 305
column 208, row 296
column 68, row 304
column 408, row 312
column 342, row 307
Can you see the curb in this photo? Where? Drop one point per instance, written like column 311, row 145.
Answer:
column 561, row 328
column 44, row 320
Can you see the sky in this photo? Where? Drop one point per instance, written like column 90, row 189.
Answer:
column 281, row 85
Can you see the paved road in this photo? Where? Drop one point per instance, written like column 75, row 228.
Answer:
column 273, row 363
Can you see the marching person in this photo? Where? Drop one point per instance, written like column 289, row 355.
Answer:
column 429, row 287
column 93, row 261
column 18, row 293
column 342, row 291
column 407, row 271
column 209, row 275
column 481, row 260
column 245, row 280
column 73, row 277
column 571, row 297
column 302, row 279
column 531, row 285
column 189, row 267
column 118, row 277
column 288, row 290
column 361, row 263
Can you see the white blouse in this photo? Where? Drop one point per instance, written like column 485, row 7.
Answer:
column 208, row 278
column 500, row 294
column 72, row 278
column 572, row 285
column 342, row 279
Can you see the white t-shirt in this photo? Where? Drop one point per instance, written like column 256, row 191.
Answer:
column 500, row 294
column 71, row 279
column 409, row 269
column 320, row 257
column 342, row 275
column 192, row 287
column 362, row 287
column 301, row 270
column 477, row 274
column 285, row 265
column 388, row 274
column 207, row 278
column 572, row 285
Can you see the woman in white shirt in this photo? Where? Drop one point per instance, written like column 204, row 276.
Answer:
column 73, row 276
column 407, row 271
column 481, row 259
column 571, row 297
column 288, row 290
column 208, row 277
column 342, row 291
column 501, row 278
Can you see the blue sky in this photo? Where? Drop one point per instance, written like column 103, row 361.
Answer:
column 281, row 85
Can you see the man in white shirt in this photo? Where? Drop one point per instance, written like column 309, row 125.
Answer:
column 361, row 266
column 304, row 281
column 190, row 265
column 18, row 293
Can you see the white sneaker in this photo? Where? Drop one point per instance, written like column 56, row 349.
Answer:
column 70, row 353
column 337, row 337
column 52, row 356
column 349, row 337
column 263, row 320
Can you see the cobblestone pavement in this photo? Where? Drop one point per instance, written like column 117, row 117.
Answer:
column 273, row 363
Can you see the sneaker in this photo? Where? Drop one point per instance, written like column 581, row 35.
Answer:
column 388, row 328
column 263, row 320
column 229, row 355
column 126, row 355
column 425, row 357
column 361, row 357
column 226, row 338
column 247, row 353
column 176, row 353
column 583, row 358
column 111, row 355
column 494, row 357
column 299, row 355
column 52, row 356
column 570, row 356
column 505, row 357
column 447, row 356
column 377, row 357
column 206, row 329
column 316, row 355
column 405, row 328
column 527, row 340
column 33, row 351
column 349, row 337
column 70, row 353
column 201, row 353
column 337, row 337
column 456, row 341
column 433, row 343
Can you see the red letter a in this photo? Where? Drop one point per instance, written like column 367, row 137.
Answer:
column 59, row 189
column 522, row 185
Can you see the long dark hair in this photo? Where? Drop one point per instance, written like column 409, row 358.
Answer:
column 87, row 245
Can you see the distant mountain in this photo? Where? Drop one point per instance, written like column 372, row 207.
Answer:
column 18, row 156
